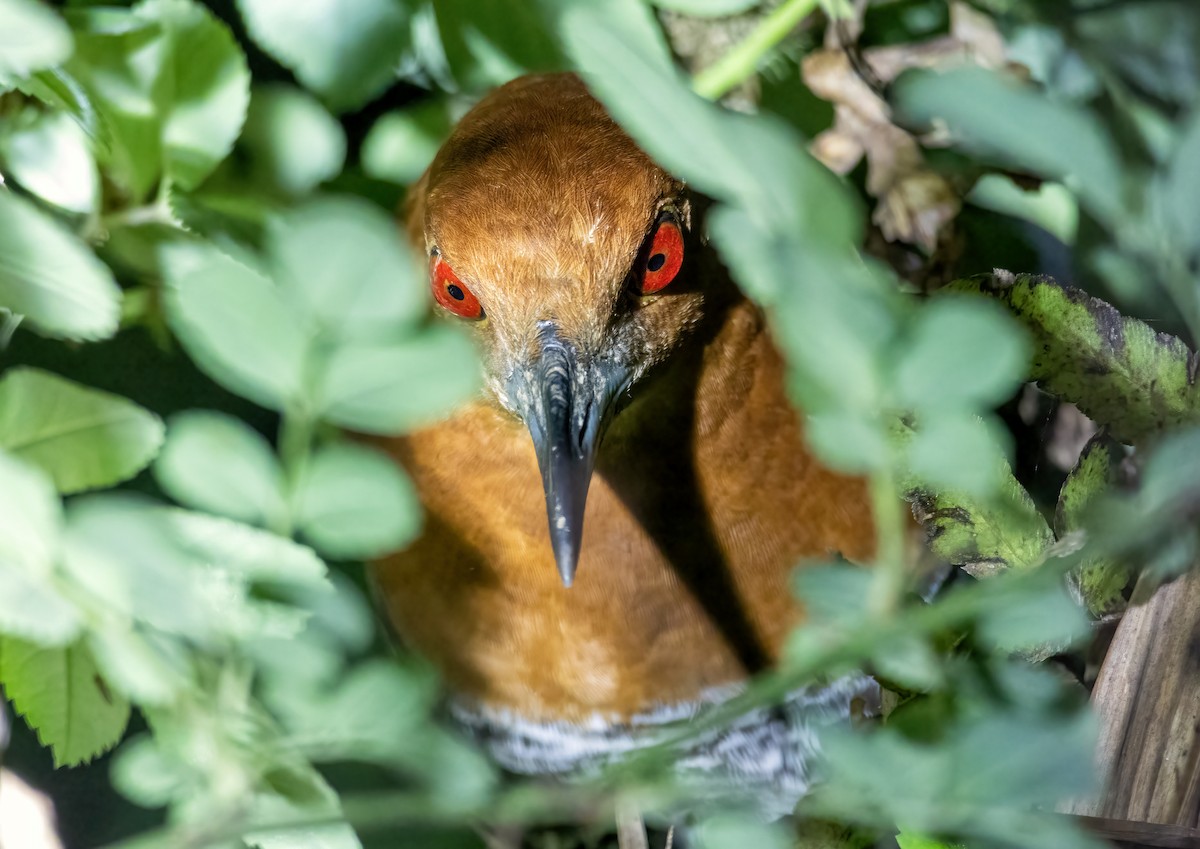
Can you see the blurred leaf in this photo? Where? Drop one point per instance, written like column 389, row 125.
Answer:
column 847, row 441
column 402, row 143
column 909, row 661
column 620, row 51
column 834, row 593
column 83, row 438
column 1116, row 369
column 342, row 260
column 355, row 503
column 34, row 37
column 371, row 715
column 118, row 60
column 30, row 525
column 142, row 773
column 60, row 693
column 959, row 357
column 217, row 463
column 1039, row 623
column 728, row 831
column 50, row 277
column 1053, row 139
column 707, row 8
column 981, row 781
column 1051, row 207
column 207, row 88
column 279, row 115
column 58, row 89
column 207, row 579
column 391, row 388
column 489, row 42
column 1101, row 580
column 913, row 841
column 50, row 156
column 983, row 536
column 959, row 453
column 147, row 667
column 1175, row 190
column 1153, row 44
column 236, row 325
column 171, row 84
column 345, row 50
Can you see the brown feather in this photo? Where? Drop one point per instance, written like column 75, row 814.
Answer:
column 704, row 496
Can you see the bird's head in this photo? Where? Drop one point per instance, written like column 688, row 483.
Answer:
column 564, row 248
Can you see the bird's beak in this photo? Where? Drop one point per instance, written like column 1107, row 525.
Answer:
column 565, row 401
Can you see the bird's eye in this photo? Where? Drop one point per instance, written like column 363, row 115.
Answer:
column 664, row 256
column 451, row 292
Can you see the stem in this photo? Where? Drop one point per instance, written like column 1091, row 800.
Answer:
column 888, row 587
column 740, row 63
column 295, row 449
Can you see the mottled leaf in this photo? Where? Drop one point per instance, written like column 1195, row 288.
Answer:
column 1100, row 580
column 1118, row 370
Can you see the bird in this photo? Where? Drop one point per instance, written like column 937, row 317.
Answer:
column 612, row 523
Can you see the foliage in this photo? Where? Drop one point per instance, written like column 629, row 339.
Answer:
column 163, row 195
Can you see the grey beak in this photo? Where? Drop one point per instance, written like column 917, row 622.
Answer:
column 566, row 406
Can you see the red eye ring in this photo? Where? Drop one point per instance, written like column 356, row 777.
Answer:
column 450, row 292
column 664, row 257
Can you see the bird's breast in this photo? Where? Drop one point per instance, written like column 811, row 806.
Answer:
column 703, row 501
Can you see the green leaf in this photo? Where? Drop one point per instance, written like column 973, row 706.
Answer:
column 1052, row 138
column 60, row 693
column 49, row 276
column 50, row 155
column 118, row 60
column 279, row 115
column 342, row 259
column 83, row 438
column 217, row 463
column 171, row 84
column 728, row 831
column 983, row 536
column 1040, row 623
column 345, row 50
column 1101, row 580
column 392, row 388
column 371, row 715
column 619, row 49
column 402, row 143
column 913, row 841
column 959, row 356
column 30, row 527
column 236, row 325
column 145, row 775
column 204, row 88
column 1118, row 370
column 833, row 593
column 34, row 37
column 848, row 441
column 488, row 42
column 355, row 503
column 707, row 8
column 959, row 453
column 1175, row 190
column 908, row 660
